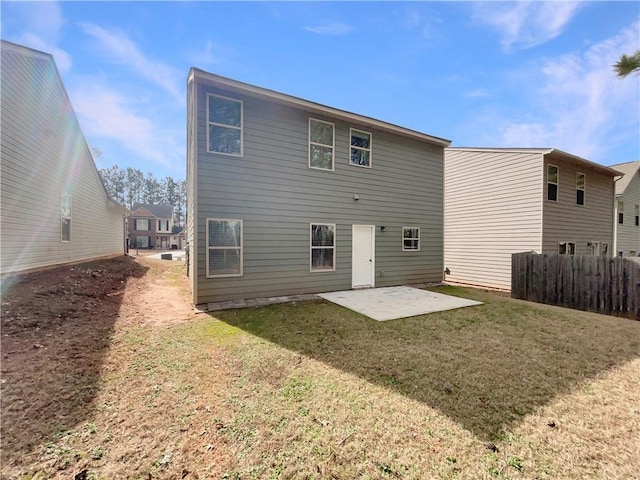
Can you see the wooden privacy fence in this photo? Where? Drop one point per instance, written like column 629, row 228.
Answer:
column 584, row 282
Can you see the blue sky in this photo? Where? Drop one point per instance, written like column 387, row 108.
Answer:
column 481, row 74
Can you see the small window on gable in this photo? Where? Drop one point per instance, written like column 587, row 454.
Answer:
column 567, row 248
column 410, row 239
column 65, row 210
column 552, row 183
column 580, row 184
column 323, row 247
column 360, row 148
column 620, row 212
column 224, row 134
column 224, row 248
column 321, row 144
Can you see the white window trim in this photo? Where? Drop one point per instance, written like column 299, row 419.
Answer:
column 370, row 149
column 241, row 127
column 557, row 184
column 567, row 244
column 411, row 238
column 311, row 247
column 333, row 147
column 209, row 248
column 135, row 225
column 64, row 217
column 619, row 211
column 584, row 189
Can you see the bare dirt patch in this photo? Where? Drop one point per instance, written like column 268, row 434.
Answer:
column 102, row 376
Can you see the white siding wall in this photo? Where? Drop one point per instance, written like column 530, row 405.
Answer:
column 492, row 209
column 44, row 154
column 628, row 232
column 564, row 221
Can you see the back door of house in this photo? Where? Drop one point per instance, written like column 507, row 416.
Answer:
column 363, row 256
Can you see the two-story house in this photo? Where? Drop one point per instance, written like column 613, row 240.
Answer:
column 627, row 213
column 151, row 226
column 500, row 201
column 287, row 196
column 55, row 208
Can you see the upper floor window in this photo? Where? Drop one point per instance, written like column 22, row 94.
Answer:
column 580, row 182
column 637, row 215
column 552, row 183
column 224, row 132
column 321, row 144
column 360, row 148
column 65, row 216
column 410, row 238
column 620, row 212
column 142, row 224
column 224, row 247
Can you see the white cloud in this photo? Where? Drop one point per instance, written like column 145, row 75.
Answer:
column 526, row 24
column 105, row 113
column 121, row 49
column 42, row 24
column 578, row 103
column 330, row 28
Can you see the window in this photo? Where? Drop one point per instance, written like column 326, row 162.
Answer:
column 633, row 253
column 65, row 217
column 142, row 224
column 360, row 148
column 163, row 225
column 142, row 242
column 567, row 248
column 637, row 215
column 224, row 125
column 410, row 239
column 323, row 247
column 580, row 181
column 224, row 247
column 552, row 183
column 604, row 249
column 321, row 144
column 620, row 212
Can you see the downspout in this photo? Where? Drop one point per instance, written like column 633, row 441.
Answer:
column 615, row 218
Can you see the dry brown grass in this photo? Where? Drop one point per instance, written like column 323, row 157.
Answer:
column 508, row 389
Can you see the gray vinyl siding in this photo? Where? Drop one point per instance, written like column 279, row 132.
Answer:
column 565, row 221
column 492, row 209
column 628, row 233
column 275, row 193
column 192, row 155
column 44, row 154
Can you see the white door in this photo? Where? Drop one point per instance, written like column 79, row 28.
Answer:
column 363, row 256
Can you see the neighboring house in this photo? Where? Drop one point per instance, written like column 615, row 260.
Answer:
column 178, row 235
column 55, row 208
column 287, row 196
column 500, row 201
column 627, row 213
column 150, row 226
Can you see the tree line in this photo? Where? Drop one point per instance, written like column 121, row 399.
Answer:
column 129, row 185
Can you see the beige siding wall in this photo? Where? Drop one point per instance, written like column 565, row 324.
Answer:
column 565, row 221
column 628, row 233
column 492, row 209
column 44, row 154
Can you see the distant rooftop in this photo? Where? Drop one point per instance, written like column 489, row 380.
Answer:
column 158, row 211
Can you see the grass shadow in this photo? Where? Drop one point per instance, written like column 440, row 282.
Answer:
column 56, row 329
column 486, row 367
